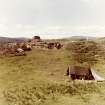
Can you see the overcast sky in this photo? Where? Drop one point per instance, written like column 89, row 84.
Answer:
column 52, row 18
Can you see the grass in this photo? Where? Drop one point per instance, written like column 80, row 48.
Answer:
column 38, row 79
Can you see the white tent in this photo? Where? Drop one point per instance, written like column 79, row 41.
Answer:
column 96, row 77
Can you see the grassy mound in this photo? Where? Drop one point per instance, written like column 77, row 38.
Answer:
column 40, row 94
column 86, row 51
column 38, row 79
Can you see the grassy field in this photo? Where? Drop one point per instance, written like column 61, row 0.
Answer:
column 38, row 79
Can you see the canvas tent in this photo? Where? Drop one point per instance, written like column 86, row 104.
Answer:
column 82, row 73
column 96, row 76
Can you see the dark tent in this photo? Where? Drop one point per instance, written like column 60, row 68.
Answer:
column 77, row 72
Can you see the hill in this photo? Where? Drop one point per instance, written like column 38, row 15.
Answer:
column 38, row 79
column 80, row 38
column 8, row 39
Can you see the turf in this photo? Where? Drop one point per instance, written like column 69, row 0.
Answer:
column 38, row 79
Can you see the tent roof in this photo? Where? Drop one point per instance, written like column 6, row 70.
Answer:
column 84, row 71
column 96, row 76
column 77, row 70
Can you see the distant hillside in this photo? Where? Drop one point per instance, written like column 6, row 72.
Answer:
column 74, row 38
column 101, row 40
column 82, row 38
column 7, row 39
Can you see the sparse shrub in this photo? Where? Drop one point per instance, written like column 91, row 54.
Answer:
column 84, row 51
column 39, row 94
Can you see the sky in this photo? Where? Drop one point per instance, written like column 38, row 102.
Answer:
column 52, row 18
